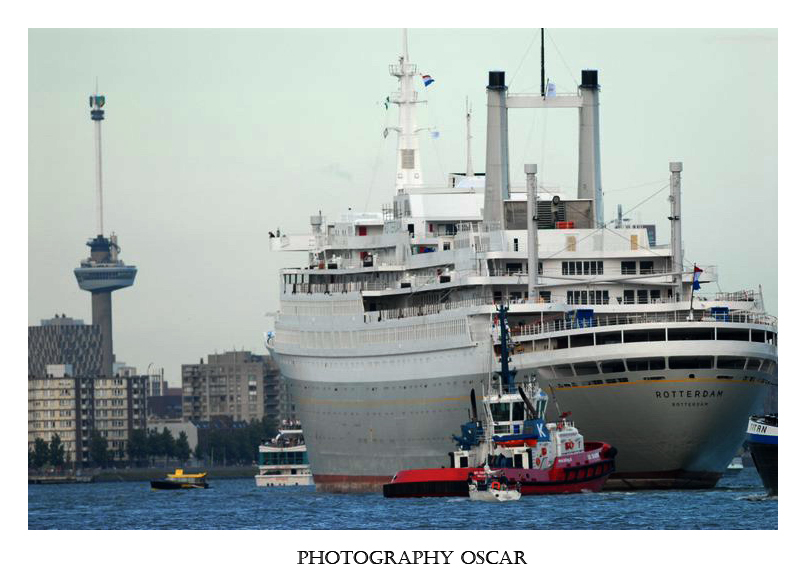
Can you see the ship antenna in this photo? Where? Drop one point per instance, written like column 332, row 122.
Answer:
column 469, row 168
column 543, row 74
column 97, row 115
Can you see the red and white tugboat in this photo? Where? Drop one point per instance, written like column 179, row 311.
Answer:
column 513, row 438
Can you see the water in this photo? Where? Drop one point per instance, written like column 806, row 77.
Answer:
column 738, row 502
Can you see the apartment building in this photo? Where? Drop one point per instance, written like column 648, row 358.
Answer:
column 73, row 407
column 236, row 384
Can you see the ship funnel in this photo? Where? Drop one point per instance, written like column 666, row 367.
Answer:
column 497, row 165
column 589, row 181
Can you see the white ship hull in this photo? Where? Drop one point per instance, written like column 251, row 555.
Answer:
column 368, row 417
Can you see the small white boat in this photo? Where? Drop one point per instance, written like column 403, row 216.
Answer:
column 492, row 488
column 735, row 466
column 283, row 461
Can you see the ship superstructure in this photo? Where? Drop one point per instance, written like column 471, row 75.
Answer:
column 384, row 332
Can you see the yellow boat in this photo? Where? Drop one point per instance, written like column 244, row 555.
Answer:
column 181, row 480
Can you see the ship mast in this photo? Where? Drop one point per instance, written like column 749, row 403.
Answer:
column 469, row 168
column 408, row 165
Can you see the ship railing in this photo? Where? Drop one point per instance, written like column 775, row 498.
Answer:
column 621, row 301
column 425, row 309
column 746, row 295
column 568, row 324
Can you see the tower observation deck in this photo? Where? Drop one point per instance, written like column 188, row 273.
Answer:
column 103, row 272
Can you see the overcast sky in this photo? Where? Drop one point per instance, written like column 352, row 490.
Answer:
column 212, row 138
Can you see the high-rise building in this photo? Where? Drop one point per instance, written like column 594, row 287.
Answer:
column 235, row 384
column 73, row 407
column 102, row 272
column 64, row 341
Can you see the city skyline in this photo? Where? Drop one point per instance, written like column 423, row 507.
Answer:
column 214, row 138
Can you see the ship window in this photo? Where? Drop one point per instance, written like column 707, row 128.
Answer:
column 500, row 412
column 609, row 337
column 560, row 342
column 757, row 335
column 629, row 295
column 629, row 268
column 518, row 411
column 753, row 365
column 732, row 334
column 645, row 267
column 587, row 368
column 644, row 335
column 513, row 268
column 641, row 296
column 691, row 362
column 691, row 334
column 616, row 366
column 578, row 340
column 581, row 268
column 730, row 362
column 564, row 370
column 463, row 462
column 645, row 364
column 545, row 296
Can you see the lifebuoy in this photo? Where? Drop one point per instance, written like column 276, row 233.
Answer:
column 495, row 485
column 569, row 445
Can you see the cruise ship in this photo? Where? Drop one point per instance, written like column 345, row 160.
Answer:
column 389, row 326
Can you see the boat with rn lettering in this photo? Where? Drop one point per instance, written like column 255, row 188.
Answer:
column 386, row 328
column 763, row 442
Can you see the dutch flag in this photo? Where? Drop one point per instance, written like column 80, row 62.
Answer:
column 696, row 274
column 427, row 80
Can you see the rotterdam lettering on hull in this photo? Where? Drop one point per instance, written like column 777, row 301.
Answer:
column 690, row 393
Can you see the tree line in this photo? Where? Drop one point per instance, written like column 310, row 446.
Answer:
column 234, row 445
column 227, row 445
column 46, row 453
